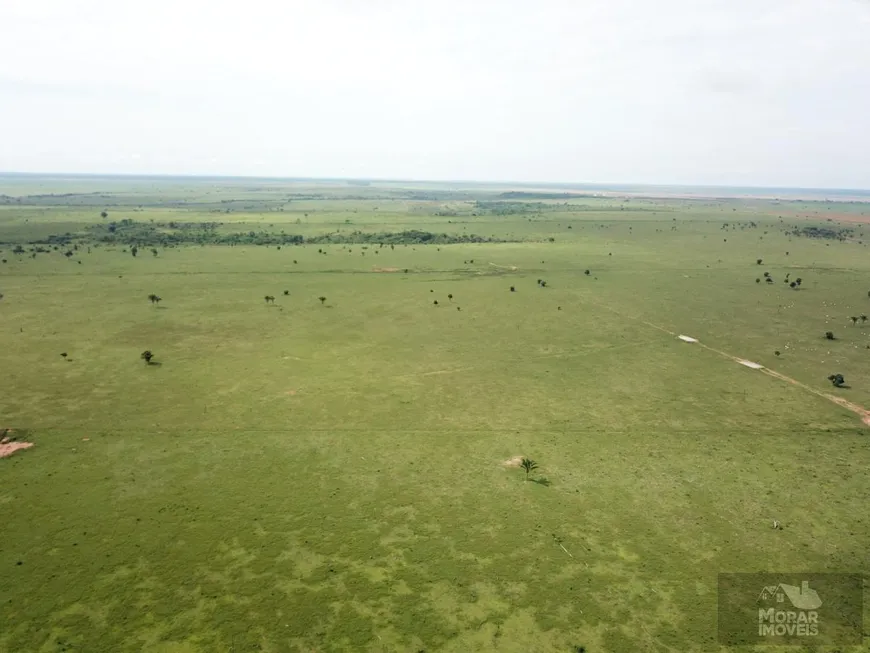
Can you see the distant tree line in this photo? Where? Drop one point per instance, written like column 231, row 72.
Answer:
column 146, row 234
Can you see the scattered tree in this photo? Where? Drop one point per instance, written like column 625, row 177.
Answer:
column 863, row 317
column 104, row 215
column 134, row 250
column 776, row 353
column 146, row 356
column 854, row 319
column 757, row 280
column 286, row 292
column 792, row 285
column 829, row 335
column 769, row 280
column 322, row 299
column 154, row 251
column 837, row 380
column 758, row 261
column 766, row 275
column 64, row 354
column 586, row 272
column 435, row 302
column 450, row 297
column 269, row 298
column 529, row 465
column 513, row 289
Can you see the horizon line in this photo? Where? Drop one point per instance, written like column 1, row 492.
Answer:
column 588, row 184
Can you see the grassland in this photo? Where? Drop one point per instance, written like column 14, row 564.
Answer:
column 311, row 476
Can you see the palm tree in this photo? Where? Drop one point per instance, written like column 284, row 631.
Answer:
column 829, row 335
column 854, row 319
column 863, row 319
column 322, row 299
column 146, row 356
column 529, row 465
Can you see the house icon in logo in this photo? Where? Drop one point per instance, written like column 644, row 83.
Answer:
column 802, row 598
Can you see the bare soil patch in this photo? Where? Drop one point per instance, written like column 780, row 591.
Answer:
column 385, row 270
column 513, row 462
column 11, row 447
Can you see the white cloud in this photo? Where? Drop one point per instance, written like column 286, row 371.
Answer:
column 707, row 91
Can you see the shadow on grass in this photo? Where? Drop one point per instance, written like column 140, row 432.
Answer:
column 154, row 363
column 541, row 481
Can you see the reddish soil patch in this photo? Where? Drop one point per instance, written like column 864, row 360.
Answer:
column 10, row 448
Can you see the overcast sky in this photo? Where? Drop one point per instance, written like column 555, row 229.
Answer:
column 742, row 92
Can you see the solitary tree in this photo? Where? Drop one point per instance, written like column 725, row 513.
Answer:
column 322, row 299
column 854, row 319
column 757, row 280
column 154, row 251
column 104, row 215
column 450, row 297
column 529, row 465
column 758, row 261
column 776, row 353
column 134, row 250
column 829, row 335
column 513, row 289
column 586, row 272
column 435, row 302
column 837, row 380
column 286, row 292
column 146, row 356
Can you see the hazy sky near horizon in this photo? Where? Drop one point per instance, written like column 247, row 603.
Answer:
column 741, row 92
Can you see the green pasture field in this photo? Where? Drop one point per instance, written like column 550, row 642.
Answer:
column 334, row 476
